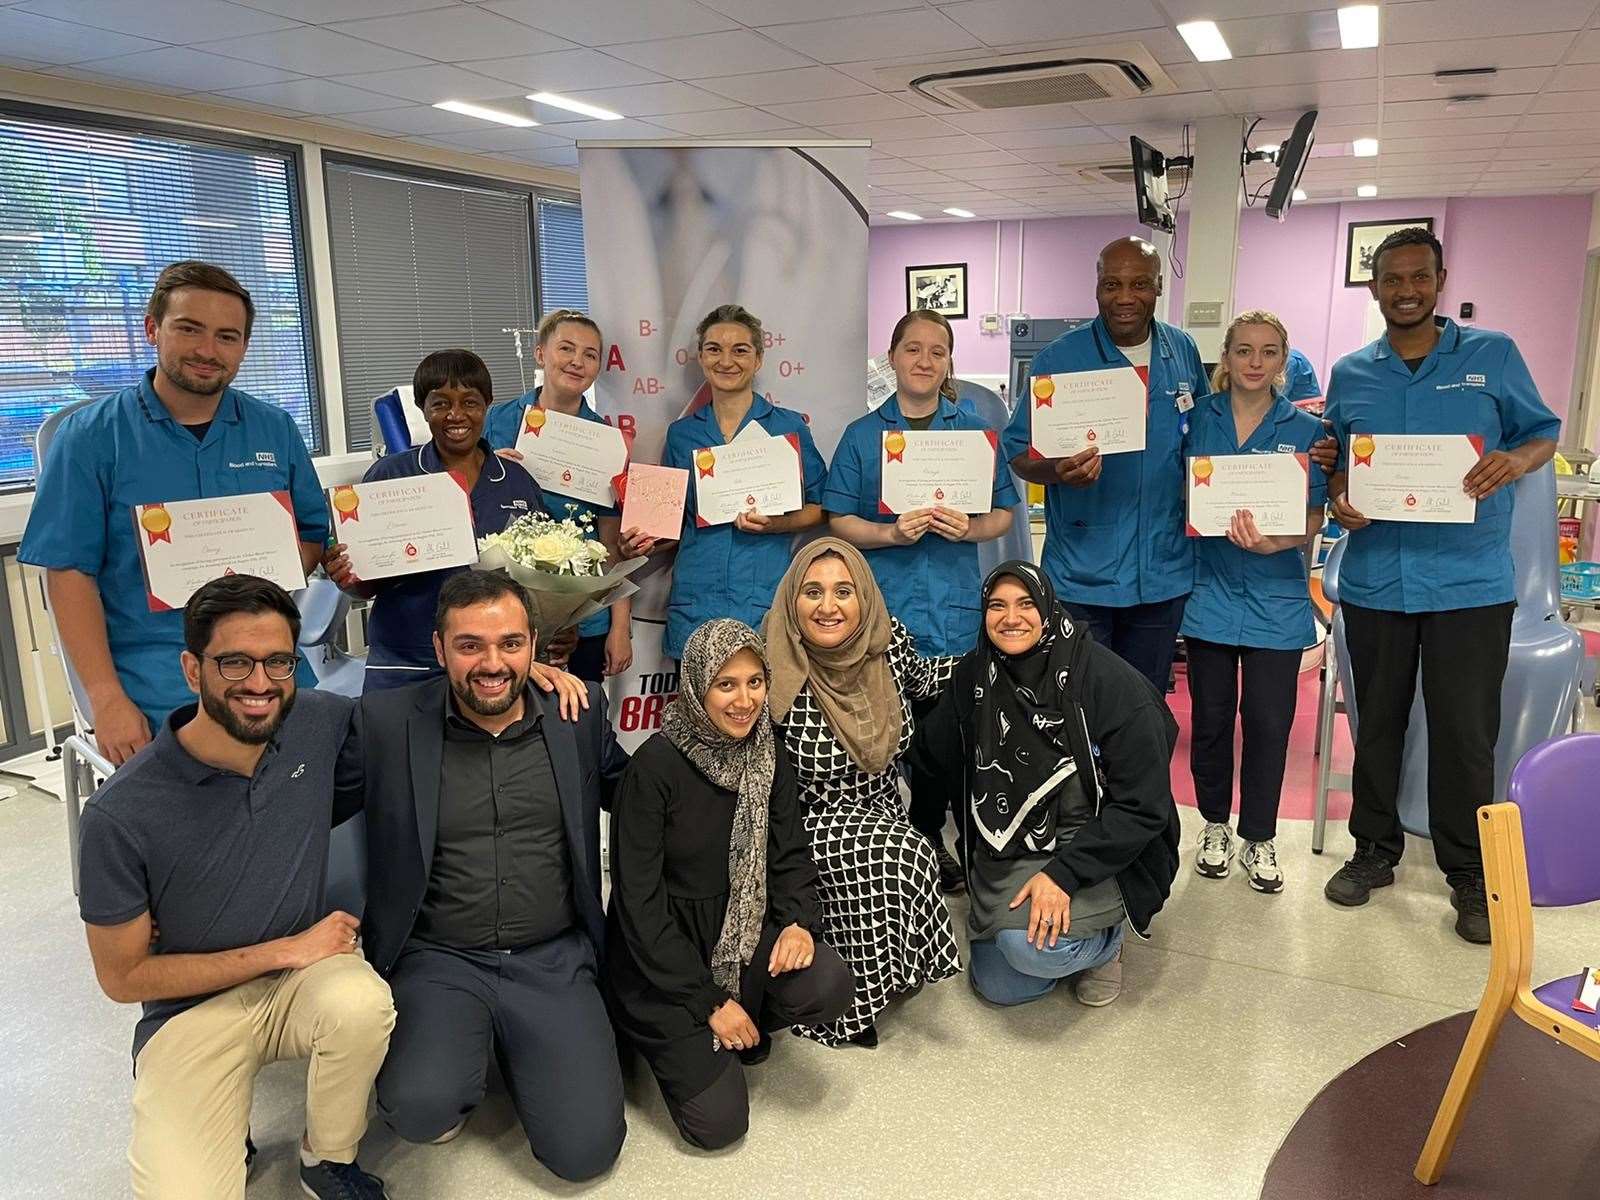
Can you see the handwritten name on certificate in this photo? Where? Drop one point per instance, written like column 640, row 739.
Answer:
column 571, row 456
column 1088, row 408
column 953, row 469
column 752, row 473
column 1409, row 477
column 184, row 544
column 405, row 526
column 1274, row 487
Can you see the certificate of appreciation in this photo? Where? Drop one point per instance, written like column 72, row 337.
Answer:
column 572, row 457
column 751, row 473
column 951, row 468
column 1406, row 477
column 1088, row 408
column 184, row 544
column 404, row 526
column 1274, row 487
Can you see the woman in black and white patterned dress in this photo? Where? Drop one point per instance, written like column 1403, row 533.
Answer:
column 843, row 673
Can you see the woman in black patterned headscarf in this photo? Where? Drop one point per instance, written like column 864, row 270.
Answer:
column 713, row 891
column 1069, row 827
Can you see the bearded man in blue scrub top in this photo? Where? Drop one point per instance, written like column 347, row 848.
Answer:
column 1438, row 594
column 1114, row 532
column 180, row 433
column 732, row 570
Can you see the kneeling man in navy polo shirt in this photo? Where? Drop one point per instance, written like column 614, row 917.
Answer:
column 204, row 862
column 483, row 877
column 1438, row 594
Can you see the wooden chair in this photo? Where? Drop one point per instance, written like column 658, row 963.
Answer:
column 1540, row 848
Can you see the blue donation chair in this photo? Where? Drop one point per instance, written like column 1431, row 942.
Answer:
column 1540, row 692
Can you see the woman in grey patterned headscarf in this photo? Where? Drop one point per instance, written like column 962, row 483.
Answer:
column 713, row 899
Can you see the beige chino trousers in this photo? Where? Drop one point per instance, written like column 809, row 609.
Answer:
column 194, row 1080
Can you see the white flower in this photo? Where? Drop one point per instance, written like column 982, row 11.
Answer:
column 540, row 542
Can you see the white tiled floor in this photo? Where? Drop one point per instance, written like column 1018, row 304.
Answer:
column 1239, row 1009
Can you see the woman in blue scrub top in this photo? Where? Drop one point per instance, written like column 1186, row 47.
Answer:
column 732, row 570
column 568, row 352
column 925, row 560
column 1249, row 616
column 453, row 390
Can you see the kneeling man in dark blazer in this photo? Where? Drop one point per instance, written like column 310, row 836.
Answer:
column 483, row 910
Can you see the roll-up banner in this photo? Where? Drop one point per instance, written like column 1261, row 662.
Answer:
column 671, row 231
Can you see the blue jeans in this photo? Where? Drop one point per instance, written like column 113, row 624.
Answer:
column 1006, row 970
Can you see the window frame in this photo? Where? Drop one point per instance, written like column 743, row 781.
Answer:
column 412, row 172
column 299, row 225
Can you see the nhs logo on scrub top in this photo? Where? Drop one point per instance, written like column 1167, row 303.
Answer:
column 263, row 458
column 1476, row 380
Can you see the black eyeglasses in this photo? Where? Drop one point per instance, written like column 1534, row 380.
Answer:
column 236, row 668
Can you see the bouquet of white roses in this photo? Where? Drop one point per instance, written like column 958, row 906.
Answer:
column 561, row 565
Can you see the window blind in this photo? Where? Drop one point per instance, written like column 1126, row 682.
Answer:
column 563, row 278
column 421, row 265
column 89, row 215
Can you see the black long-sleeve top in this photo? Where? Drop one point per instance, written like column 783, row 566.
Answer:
column 670, row 828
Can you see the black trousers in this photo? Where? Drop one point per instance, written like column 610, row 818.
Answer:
column 932, row 795
column 588, row 661
column 541, row 1011
column 718, row 1114
column 1265, row 705
column 1145, row 636
column 1463, row 657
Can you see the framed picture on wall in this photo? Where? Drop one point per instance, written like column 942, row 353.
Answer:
column 1365, row 238
column 941, row 287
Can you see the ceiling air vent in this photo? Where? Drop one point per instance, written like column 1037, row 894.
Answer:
column 1024, row 84
column 1122, row 175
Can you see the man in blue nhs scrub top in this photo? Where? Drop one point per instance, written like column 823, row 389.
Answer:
column 1115, row 546
column 180, row 433
column 1434, row 593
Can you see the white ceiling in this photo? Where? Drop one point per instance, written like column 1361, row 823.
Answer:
column 809, row 68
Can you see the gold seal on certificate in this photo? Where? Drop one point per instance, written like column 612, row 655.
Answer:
column 760, row 473
column 947, row 468
column 1072, row 412
column 184, row 544
column 571, row 456
column 1273, row 487
column 397, row 527
column 1413, row 477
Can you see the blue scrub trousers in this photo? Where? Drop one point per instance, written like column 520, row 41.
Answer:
column 1145, row 636
column 1006, row 970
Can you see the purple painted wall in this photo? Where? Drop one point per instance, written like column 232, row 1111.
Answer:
column 1519, row 259
column 1057, row 275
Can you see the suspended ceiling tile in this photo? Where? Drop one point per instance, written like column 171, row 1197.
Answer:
column 453, row 34
column 787, row 87
column 864, row 39
column 605, row 22
column 563, row 69
column 177, row 21
column 737, row 52
column 315, row 52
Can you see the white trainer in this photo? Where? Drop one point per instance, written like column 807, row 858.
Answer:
column 1216, row 850
column 1260, row 863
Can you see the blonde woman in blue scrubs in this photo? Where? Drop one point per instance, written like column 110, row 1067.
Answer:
column 926, row 560
column 1249, row 618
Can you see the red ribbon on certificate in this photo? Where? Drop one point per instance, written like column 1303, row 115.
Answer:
column 1202, row 472
column 156, row 522
column 1362, row 447
column 533, row 420
column 894, row 445
column 707, row 462
column 346, row 503
column 1044, row 391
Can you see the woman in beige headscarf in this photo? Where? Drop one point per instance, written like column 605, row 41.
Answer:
column 843, row 674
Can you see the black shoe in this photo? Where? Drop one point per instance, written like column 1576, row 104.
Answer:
column 1472, row 911
column 952, row 880
column 867, row 1038
column 759, row 1053
column 1352, row 883
column 340, row 1181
